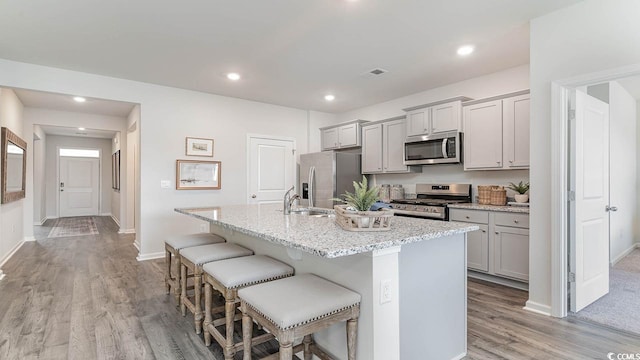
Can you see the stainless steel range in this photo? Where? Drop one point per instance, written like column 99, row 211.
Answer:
column 432, row 199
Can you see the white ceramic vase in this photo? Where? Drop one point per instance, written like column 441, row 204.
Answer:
column 522, row 198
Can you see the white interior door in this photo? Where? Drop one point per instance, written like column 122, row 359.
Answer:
column 271, row 169
column 590, row 239
column 79, row 186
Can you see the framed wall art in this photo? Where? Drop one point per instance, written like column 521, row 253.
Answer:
column 199, row 147
column 198, row 175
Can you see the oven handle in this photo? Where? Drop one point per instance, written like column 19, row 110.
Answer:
column 444, row 148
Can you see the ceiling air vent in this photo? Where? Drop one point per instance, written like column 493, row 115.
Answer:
column 377, row 71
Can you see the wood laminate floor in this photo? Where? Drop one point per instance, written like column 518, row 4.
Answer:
column 86, row 297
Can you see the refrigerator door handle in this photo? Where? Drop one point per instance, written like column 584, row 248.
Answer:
column 312, row 175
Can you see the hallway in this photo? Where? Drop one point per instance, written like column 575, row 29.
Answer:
column 86, row 297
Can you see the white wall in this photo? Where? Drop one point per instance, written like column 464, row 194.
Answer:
column 316, row 121
column 11, row 214
column 499, row 83
column 168, row 115
column 51, row 169
column 39, row 186
column 623, row 173
column 588, row 37
column 115, row 194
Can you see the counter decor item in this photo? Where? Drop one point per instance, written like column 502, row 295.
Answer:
column 385, row 193
column 498, row 196
column 521, row 189
column 355, row 215
column 484, row 194
column 397, row 192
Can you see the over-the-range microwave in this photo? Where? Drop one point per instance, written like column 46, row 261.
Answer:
column 445, row 148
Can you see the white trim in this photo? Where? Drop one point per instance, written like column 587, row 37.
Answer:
column 11, row 253
column 1, row 275
column 135, row 244
column 625, row 253
column 559, row 185
column 385, row 251
column 150, row 256
column 116, row 221
column 461, row 356
column 42, row 221
column 534, row 307
column 127, row 231
column 29, row 238
column 498, row 280
column 58, row 174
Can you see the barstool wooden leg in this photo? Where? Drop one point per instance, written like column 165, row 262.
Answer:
column 247, row 334
column 197, row 285
column 208, row 303
column 352, row 331
column 167, row 275
column 230, row 313
column 286, row 345
column 307, row 341
column 179, row 281
column 183, row 280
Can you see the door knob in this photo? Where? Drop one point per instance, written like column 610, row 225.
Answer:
column 611, row 208
column 253, row 196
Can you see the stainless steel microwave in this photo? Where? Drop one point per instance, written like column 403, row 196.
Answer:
column 445, row 148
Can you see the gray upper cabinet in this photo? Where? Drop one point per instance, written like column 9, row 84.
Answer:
column 341, row 136
column 382, row 147
column 439, row 117
column 496, row 133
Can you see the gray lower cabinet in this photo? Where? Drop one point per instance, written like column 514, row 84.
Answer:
column 501, row 246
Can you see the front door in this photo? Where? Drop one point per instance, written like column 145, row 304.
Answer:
column 79, row 186
column 589, row 246
column 271, row 169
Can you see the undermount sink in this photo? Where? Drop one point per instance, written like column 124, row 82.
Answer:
column 312, row 213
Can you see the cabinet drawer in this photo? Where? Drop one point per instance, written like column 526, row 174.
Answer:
column 513, row 220
column 473, row 216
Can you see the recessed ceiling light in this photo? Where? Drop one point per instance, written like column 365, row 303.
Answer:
column 79, row 99
column 329, row 97
column 81, row 129
column 233, row 76
column 465, row 50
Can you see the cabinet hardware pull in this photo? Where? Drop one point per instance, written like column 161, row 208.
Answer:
column 466, row 217
column 484, row 231
column 516, row 221
column 497, row 233
column 510, row 161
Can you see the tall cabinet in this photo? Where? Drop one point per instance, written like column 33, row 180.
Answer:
column 496, row 132
column 382, row 147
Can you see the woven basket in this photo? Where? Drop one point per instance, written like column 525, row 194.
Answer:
column 363, row 220
column 484, row 194
column 498, row 196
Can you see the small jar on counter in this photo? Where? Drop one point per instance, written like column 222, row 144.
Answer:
column 385, row 193
column 397, row 192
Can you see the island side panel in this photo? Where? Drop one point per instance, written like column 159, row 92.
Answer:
column 433, row 299
column 353, row 272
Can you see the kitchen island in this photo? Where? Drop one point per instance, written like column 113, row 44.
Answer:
column 412, row 278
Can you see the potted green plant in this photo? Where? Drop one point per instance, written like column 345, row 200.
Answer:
column 521, row 190
column 355, row 215
column 362, row 198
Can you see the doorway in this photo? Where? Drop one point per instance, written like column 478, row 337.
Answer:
column 79, row 182
column 271, row 168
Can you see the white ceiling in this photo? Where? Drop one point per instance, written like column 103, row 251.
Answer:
column 69, row 131
column 39, row 99
column 289, row 52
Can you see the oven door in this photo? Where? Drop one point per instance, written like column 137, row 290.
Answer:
column 425, row 150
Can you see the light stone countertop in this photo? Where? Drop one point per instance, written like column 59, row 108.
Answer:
column 321, row 236
column 476, row 206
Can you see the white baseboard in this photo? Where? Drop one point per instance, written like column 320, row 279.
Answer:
column 136, row 245
column 11, row 253
column 127, row 231
column 150, row 256
column 461, row 356
column 29, row 238
column 624, row 253
column 498, row 280
column 537, row 308
column 41, row 222
column 1, row 275
column 115, row 219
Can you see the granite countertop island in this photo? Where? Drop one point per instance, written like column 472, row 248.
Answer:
column 321, row 236
column 412, row 278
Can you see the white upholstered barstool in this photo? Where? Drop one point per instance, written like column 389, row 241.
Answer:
column 192, row 260
column 172, row 247
column 227, row 276
column 295, row 307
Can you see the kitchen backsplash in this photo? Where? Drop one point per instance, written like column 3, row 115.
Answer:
column 453, row 174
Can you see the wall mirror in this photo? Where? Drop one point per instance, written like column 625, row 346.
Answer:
column 14, row 165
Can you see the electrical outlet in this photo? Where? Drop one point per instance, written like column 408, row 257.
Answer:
column 165, row 184
column 385, row 291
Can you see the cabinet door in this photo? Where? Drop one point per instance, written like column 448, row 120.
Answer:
column 483, row 136
column 446, row 117
column 511, row 252
column 372, row 149
column 516, row 131
column 393, row 136
column 418, row 122
column 478, row 249
column 329, row 139
column 348, row 136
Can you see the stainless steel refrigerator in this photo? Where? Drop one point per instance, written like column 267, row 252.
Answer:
column 327, row 175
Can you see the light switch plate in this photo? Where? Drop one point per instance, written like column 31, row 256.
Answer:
column 165, row 184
